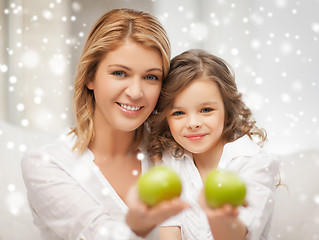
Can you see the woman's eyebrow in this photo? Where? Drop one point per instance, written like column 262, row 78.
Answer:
column 155, row 69
column 129, row 69
column 119, row 65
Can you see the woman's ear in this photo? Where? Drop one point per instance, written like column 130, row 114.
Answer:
column 90, row 85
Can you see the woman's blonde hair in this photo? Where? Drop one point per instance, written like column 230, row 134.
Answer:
column 111, row 31
column 184, row 69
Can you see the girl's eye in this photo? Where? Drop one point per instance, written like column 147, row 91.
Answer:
column 206, row 110
column 177, row 113
column 119, row 74
column 151, row 77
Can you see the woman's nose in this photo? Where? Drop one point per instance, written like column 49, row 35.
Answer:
column 134, row 89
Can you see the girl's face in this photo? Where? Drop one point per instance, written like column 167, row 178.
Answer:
column 196, row 119
column 126, row 86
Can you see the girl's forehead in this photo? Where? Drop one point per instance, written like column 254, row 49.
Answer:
column 199, row 90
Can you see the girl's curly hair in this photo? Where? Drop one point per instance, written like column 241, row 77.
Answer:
column 185, row 68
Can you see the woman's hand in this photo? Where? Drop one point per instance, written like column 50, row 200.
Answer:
column 142, row 218
column 223, row 221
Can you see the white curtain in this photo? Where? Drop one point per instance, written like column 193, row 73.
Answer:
column 272, row 46
column 36, row 74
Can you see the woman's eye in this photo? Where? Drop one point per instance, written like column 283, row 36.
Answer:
column 119, row 74
column 151, row 77
column 177, row 113
column 206, row 110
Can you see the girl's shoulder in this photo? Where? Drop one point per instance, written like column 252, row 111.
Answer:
column 245, row 153
column 180, row 163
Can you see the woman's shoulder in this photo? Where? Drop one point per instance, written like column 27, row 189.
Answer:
column 63, row 141
column 56, row 159
column 61, row 148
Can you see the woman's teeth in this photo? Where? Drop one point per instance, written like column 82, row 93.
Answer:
column 130, row 108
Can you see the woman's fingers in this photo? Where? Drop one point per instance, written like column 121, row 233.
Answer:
column 167, row 209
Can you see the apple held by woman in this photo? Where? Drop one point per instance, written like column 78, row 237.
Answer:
column 158, row 184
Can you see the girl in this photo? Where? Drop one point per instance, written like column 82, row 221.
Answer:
column 78, row 186
column 202, row 120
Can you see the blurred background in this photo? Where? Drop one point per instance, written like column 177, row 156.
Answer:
column 272, row 45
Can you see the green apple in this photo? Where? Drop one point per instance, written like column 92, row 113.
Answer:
column 158, row 184
column 223, row 186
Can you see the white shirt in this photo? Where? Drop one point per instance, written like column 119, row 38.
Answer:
column 71, row 199
column 258, row 169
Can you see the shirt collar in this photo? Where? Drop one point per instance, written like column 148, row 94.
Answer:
column 242, row 146
column 70, row 138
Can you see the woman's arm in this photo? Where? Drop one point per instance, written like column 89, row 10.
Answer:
column 142, row 219
column 67, row 202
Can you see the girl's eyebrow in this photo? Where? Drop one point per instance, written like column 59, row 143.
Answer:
column 202, row 104
column 210, row 102
column 175, row 107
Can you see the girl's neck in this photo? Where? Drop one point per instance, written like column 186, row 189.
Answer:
column 207, row 161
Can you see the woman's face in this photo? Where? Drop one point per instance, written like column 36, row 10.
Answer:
column 126, row 86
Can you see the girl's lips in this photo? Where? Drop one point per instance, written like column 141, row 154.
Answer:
column 195, row 137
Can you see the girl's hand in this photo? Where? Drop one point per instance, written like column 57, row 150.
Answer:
column 142, row 218
column 223, row 221
column 224, row 212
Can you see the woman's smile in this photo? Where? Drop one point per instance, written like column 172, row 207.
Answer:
column 129, row 109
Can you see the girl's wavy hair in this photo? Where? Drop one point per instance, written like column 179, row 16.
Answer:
column 186, row 68
column 110, row 31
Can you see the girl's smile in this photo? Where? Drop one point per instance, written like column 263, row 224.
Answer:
column 195, row 137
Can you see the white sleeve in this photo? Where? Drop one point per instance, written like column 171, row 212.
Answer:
column 61, row 203
column 169, row 161
column 260, row 175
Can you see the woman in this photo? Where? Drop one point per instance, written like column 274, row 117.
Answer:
column 78, row 186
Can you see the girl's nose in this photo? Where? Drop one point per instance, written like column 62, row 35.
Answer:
column 194, row 123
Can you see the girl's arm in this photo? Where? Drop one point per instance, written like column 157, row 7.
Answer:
column 224, row 221
column 261, row 179
column 172, row 233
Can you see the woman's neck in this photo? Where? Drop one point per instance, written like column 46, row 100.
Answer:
column 110, row 143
